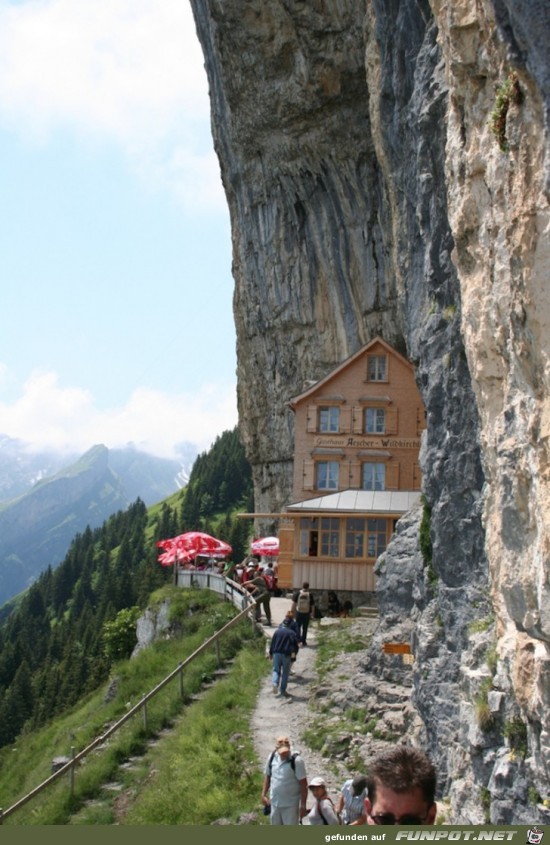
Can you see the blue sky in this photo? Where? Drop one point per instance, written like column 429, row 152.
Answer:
column 116, row 321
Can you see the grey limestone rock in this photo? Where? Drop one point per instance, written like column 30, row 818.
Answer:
column 367, row 196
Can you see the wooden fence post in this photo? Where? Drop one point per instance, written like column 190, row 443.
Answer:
column 145, row 714
column 71, row 771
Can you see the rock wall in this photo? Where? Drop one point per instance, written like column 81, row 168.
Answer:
column 369, row 195
column 498, row 212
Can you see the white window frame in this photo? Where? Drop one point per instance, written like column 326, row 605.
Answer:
column 329, row 419
column 327, row 475
column 375, row 421
column 376, row 473
column 377, row 368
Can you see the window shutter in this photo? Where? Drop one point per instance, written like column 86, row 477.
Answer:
column 420, row 420
column 308, row 474
column 392, row 476
column 391, row 420
column 417, row 477
column 345, row 420
column 357, row 420
column 312, row 418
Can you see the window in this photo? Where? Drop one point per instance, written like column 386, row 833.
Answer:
column 377, row 368
column 320, row 537
column 327, row 475
column 329, row 419
column 375, row 420
column 330, row 536
column 309, row 537
column 376, row 537
column 355, row 537
column 374, row 476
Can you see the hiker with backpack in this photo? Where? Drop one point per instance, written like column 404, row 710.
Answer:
column 323, row 811
column 257, row 587
column 284, row 791
column 303, row 605
column 270, row 576
column 282, row 649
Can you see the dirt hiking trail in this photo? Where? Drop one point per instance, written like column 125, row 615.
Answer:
column 292, row 716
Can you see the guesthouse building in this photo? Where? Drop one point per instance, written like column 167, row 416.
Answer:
column 356, row 471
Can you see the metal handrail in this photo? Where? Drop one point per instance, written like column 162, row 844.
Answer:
column 234, row 588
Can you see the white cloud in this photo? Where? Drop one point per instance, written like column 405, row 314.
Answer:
column 47, row 415
column 123, row 71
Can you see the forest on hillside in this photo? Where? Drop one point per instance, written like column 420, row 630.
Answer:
column 59, row 641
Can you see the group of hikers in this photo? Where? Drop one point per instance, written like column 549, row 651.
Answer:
column 400, row 785
column 399, row 788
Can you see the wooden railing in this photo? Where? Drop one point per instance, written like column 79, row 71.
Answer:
column 234, row 593
column 230, row 590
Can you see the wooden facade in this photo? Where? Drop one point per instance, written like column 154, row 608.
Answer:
column 356, row 471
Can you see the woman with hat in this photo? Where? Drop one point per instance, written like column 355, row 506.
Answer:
column 323, row 811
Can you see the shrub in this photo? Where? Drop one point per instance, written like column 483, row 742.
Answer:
column 515, row 731
column 484, row 716
column 119, row 636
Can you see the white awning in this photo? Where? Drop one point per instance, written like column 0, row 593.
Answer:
column 395, row 502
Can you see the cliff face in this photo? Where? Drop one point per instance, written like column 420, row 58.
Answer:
column 368, row 195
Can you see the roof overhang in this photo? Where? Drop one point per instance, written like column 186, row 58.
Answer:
column 348, row 503
column 389, row 502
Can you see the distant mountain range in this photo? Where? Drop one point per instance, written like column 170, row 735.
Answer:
column 46, row 499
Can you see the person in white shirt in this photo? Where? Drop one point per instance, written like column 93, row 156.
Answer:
column 351, row 803
column 285, row 784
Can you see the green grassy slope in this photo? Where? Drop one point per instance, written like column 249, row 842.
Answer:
column 172, row 765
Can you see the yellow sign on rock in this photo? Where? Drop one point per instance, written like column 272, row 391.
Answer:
column 396, row 648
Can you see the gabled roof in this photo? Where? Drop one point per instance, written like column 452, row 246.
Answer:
column 395, row 502
column 318, row 385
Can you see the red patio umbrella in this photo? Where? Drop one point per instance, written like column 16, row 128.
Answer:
column 200, row 543
column 223, row 550
column 267, row 546
column 171, row 556
column 188, row 545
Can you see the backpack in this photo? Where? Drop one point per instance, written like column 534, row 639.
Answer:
column 269, row 580
column 303, row 602
column 264, row 586
column 291, row 760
